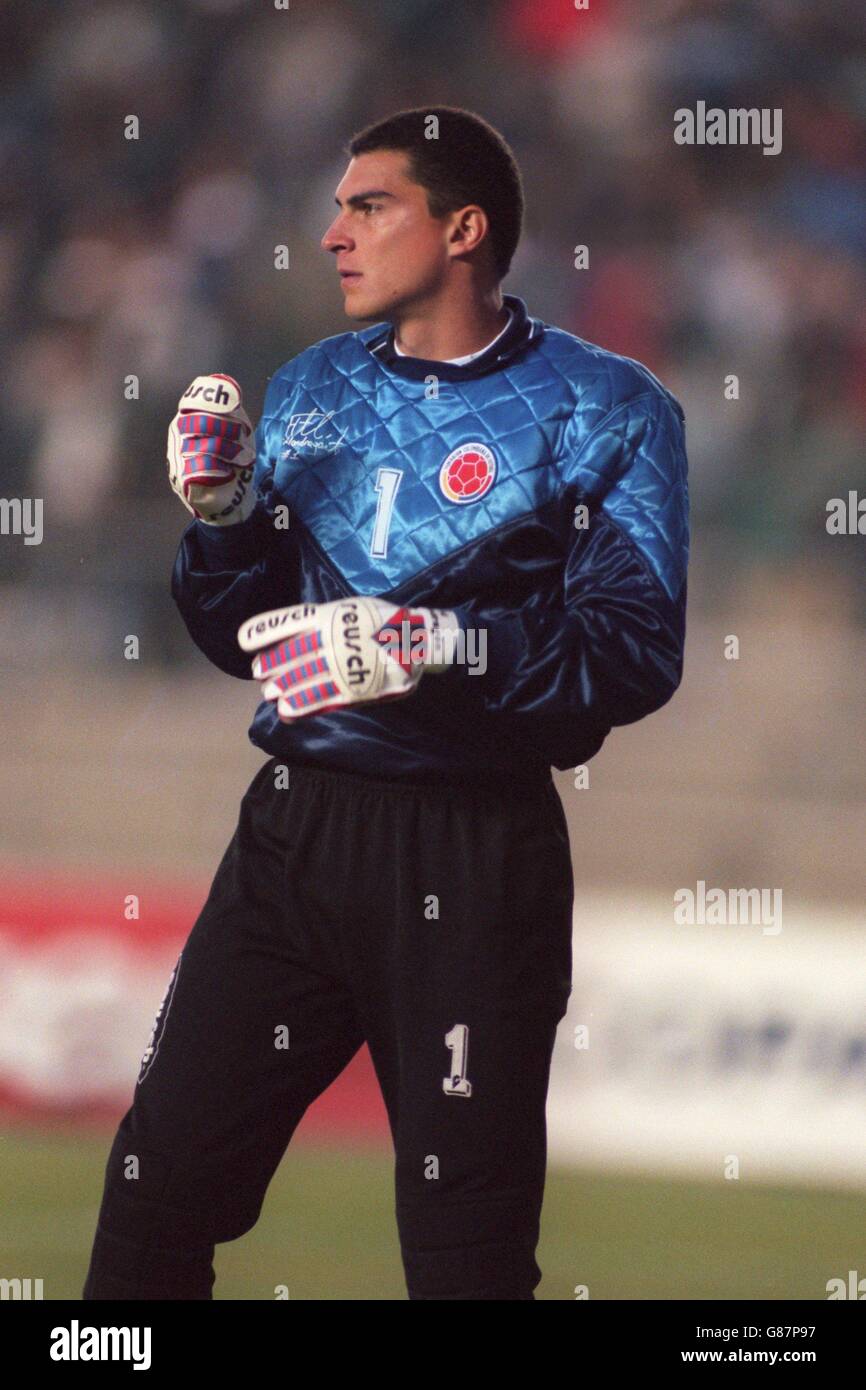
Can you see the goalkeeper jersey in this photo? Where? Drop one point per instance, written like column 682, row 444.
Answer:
column 539, row 490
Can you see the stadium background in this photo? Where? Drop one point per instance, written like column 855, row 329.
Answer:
column 155, row 257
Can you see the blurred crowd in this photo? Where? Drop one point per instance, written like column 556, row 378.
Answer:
column 154, row 257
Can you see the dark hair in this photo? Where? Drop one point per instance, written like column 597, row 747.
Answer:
column 469, row 162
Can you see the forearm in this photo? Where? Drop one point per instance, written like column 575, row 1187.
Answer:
column 561, row 672
column 221, row 576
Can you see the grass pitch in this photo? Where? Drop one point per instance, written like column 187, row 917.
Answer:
column 327, row 1230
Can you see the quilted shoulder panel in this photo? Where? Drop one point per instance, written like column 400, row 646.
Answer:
column 624, row 447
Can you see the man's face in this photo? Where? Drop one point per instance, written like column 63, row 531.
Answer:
column 389, row 250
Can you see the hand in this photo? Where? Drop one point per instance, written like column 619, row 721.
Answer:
column 324, row 656
column 211, row 455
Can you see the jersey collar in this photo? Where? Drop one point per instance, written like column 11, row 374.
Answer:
column 522, row 330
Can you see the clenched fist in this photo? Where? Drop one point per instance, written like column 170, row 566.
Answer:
column 211, row 452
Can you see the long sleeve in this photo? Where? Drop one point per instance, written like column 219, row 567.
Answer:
column 605, row 648
column 221, row 576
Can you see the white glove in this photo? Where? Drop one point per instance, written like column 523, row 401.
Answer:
column 211, row 454
column 323, row 656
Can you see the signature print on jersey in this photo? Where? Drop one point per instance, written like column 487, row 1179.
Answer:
column 467, row 473
column 309, row 434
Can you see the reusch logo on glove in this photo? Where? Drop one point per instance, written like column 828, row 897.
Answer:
column 273, row 620
column 467, row 473
column 243, row 481
column 217, row 391
column 352, row 627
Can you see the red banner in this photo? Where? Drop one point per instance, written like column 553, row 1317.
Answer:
column 84, row 965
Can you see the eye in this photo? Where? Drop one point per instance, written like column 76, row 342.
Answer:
column 370, row 207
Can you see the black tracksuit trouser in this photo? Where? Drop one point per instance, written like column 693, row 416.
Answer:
column 434, row 923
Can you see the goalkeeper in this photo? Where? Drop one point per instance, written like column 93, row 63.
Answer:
column 453, row 556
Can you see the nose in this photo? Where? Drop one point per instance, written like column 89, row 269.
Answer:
column 336, row 237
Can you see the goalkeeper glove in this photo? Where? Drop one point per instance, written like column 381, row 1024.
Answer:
column 324, row 656
column 210, row 454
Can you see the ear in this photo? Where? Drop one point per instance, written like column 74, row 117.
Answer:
column 469, row 228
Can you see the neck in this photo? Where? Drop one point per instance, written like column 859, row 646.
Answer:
column 453, row 324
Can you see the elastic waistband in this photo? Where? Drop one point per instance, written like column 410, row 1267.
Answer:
column 518, row 789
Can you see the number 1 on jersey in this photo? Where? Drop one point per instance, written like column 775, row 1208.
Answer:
column 387, row 483
column 458, row 1041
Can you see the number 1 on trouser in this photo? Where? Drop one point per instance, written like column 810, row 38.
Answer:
column 458, row 1042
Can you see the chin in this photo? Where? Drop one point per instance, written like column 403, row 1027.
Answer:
column 354, row 307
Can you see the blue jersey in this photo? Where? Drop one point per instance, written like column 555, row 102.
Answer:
column 539, row 491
